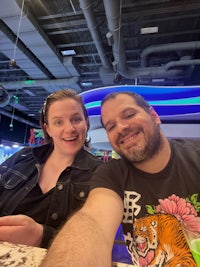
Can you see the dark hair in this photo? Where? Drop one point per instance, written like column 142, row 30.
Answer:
column 140, row 101
column 59, row 95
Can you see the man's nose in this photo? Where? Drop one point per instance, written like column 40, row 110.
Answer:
column 121, row 126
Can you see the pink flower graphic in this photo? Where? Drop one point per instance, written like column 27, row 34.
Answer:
column 181, row 209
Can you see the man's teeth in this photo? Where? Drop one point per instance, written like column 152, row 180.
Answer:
column 129, row 138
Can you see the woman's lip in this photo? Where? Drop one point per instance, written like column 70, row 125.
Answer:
column 70, row 138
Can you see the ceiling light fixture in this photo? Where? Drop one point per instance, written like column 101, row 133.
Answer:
column 158, row 80
column 86, row 83
column 149, row 30
column 70, row 52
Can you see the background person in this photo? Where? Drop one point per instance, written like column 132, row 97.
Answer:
column 151, row 189
column 41, row 186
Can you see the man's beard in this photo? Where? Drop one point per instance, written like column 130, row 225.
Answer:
column 153, row 144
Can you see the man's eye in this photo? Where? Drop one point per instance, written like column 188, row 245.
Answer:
column 110, row 128
column 78, row 119
column 128, row 116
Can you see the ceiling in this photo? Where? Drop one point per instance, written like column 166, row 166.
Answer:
column 115, row 42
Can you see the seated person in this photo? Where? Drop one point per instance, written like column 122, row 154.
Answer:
column 151, row 190
column 40, row 187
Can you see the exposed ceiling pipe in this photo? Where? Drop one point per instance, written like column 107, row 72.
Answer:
column 167, row 48
column 182, row 63
column 86, row 6
column 112, row 10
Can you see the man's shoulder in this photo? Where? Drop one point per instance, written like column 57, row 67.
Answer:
column 186, row 148
column 185, row 143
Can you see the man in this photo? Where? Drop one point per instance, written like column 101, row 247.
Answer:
column 152, row 189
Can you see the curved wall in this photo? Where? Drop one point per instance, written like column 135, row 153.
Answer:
column 178, row 108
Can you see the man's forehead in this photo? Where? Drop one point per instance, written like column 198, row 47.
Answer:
column 122, row 99
column 123, row 102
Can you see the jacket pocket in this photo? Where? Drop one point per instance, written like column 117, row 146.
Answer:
column 79, row 194
column 12, row 179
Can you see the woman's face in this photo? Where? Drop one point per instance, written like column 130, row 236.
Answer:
column 67, row 126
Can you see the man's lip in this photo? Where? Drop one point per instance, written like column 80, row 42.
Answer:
column 129, row 137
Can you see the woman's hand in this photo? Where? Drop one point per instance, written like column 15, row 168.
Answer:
column 20, row 229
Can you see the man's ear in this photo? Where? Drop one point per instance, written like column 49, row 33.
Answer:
column 155, row 115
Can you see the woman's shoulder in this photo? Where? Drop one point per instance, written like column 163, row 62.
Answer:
column 92, row 159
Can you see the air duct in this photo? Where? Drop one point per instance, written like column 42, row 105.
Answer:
column 4, row 28
column 86, row 6
column 183, row 46
column 50, row 85
column 112, row 9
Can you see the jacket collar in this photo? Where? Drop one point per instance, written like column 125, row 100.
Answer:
column 41, row 154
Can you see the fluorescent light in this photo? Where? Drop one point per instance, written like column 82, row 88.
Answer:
column 86, row 83
column 149, row 30
column 158, row 80
column 15, row 145
column 70, row 52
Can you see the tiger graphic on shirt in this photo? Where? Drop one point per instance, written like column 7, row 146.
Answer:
column 159, row 241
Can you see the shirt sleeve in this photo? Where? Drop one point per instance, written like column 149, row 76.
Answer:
column 48, row 234
column 109, row 175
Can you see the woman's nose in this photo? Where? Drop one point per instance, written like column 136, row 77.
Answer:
column 69, row 126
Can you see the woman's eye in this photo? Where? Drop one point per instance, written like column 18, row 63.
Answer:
column 58, row 123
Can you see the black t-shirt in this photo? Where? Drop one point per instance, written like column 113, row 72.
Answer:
column 154, row 204
column 36, row 198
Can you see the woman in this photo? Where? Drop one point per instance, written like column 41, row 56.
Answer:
column 41, row 186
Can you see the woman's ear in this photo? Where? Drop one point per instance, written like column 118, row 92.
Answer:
column 88, row 124
column 46, row 128
column 155, row 115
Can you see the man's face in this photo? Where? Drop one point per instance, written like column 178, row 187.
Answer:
column 132, row 132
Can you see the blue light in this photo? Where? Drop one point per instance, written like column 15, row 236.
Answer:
column 166, row 100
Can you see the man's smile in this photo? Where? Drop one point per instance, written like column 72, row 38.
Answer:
column 129, row 137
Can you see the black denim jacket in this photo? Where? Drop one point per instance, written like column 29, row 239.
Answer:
column 19, row 174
